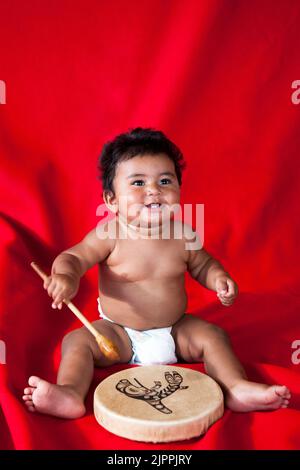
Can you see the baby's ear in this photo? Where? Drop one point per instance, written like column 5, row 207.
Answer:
column 110, row 201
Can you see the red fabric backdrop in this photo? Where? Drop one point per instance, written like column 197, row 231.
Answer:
column 216, row 76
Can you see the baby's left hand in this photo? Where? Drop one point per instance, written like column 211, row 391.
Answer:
column 226, row 289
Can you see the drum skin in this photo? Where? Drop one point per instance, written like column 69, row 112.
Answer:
column 158, row 403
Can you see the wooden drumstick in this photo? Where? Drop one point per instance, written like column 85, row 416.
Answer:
column 106, row 345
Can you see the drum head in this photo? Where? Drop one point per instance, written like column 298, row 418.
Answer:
column 158, row 403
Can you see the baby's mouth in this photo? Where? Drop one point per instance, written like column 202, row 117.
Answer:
column 153, row 206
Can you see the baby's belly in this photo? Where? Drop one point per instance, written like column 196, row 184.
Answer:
column 144, row 305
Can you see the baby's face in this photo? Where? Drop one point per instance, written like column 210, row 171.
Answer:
column 145, row 189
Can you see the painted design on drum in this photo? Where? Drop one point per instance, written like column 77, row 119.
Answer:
column 153, row 395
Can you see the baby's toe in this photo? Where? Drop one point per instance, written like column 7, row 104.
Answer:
column 29, row 404
column 27, row 397
column 28, row 390
column 282, row 391
column 34, row 381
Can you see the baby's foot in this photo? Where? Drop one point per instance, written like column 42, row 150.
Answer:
column 252, row 396
column 56, row 400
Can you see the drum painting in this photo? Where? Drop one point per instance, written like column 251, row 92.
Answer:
column 158, row 403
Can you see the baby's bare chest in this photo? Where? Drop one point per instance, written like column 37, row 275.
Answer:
column 141, row 261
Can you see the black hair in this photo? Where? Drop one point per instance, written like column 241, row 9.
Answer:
column 138, row 141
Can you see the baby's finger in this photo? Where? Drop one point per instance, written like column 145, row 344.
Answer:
column 221, row 286
column 56, row 304
column 221, row 294
column 229, row 298
column 226, row 302
column 232, row 288
column 47, row 282
column 58, row 289
column 51, row 288
column 58, row 300
column 224, row 297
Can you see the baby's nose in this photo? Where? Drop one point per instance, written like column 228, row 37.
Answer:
column 153, row 189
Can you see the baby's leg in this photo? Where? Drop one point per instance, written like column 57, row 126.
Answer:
column 80, row 353
column 199, row 341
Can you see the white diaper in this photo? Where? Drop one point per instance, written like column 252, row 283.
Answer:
column 154, row 346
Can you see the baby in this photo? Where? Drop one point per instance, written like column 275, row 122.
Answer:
column 142, row 299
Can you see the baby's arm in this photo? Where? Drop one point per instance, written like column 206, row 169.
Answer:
column 70, row 265
column 211, row 274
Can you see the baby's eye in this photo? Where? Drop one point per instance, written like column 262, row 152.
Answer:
column 165, row 181
column 138, row 183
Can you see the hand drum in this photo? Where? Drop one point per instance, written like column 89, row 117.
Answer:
column 158, row 403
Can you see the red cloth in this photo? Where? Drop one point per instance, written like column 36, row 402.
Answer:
column 216, row 77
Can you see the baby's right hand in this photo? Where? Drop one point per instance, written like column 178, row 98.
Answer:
column 61, row 287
